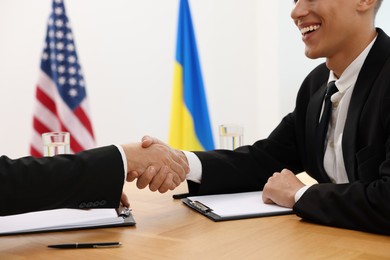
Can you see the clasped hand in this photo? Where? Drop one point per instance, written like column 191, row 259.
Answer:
column 154, row 163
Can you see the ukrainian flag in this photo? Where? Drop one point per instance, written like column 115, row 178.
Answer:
column 190, row 124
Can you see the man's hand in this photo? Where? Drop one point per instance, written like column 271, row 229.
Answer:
column 155, row 164
column 160, row 179
column 281, row 188
column 124, row 200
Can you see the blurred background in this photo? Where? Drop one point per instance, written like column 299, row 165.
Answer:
column 251, row 57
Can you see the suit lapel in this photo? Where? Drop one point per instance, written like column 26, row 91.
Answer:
column 312, row 115
column 366, row 79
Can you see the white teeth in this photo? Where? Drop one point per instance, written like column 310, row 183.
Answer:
column 310, row 28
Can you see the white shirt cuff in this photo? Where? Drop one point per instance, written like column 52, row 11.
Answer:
column 195, row 165
column 124, row 159
column 300, row 192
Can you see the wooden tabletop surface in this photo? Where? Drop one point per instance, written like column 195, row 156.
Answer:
column 167, row 229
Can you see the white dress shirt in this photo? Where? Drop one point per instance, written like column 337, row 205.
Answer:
column 333, row 158
column 123, row 155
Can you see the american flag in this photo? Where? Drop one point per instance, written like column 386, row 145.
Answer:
column 61, row 100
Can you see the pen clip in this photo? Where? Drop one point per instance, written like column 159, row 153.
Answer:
column 123, row 211
column 200, row 206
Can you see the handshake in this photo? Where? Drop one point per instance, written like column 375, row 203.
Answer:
column 154, row 163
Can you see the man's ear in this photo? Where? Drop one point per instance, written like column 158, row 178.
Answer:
column 365, row 5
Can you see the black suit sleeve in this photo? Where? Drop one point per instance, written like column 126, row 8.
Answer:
column 357, row 205
column 248, row 168
column 363, row 203
column 90, row 179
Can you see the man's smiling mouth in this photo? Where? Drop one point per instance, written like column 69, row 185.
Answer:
column 310, row 29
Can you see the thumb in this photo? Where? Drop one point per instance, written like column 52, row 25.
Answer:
column 148, row 141
column 125, row 200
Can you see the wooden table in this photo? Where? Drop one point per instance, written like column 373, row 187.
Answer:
column 166, row 229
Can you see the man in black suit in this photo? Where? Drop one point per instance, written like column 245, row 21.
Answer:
column 90, row 179
column 352, row 165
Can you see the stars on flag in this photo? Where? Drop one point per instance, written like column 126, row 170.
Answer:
column 59, row 58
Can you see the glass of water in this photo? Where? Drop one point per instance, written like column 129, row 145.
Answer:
column 56, row 143
column 231, row 136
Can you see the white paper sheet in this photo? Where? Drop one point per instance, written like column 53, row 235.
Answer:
column 58, row 219
column 238, row 204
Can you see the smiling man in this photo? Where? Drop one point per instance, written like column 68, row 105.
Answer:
column 339, row 131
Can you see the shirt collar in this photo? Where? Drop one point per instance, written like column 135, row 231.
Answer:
column 349, row 76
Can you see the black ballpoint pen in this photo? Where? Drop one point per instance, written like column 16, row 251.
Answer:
column 86, row 245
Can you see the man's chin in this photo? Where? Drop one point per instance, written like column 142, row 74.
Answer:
column 312, row 54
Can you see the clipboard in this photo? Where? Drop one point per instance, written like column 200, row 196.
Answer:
column 234, row 206
column 65, row 219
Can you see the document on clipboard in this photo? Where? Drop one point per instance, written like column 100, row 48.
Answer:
column 234, row 206
column 65, row 219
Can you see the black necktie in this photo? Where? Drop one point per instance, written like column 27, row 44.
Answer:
column 324, row 122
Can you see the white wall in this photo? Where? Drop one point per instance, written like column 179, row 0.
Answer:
column 251, row 56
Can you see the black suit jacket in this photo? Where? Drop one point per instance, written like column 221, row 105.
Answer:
column 90, row 179
column 362, row 204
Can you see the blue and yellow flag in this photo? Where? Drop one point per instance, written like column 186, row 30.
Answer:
column 190, row 124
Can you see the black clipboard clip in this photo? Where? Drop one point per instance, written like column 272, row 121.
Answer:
column 200, row 206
